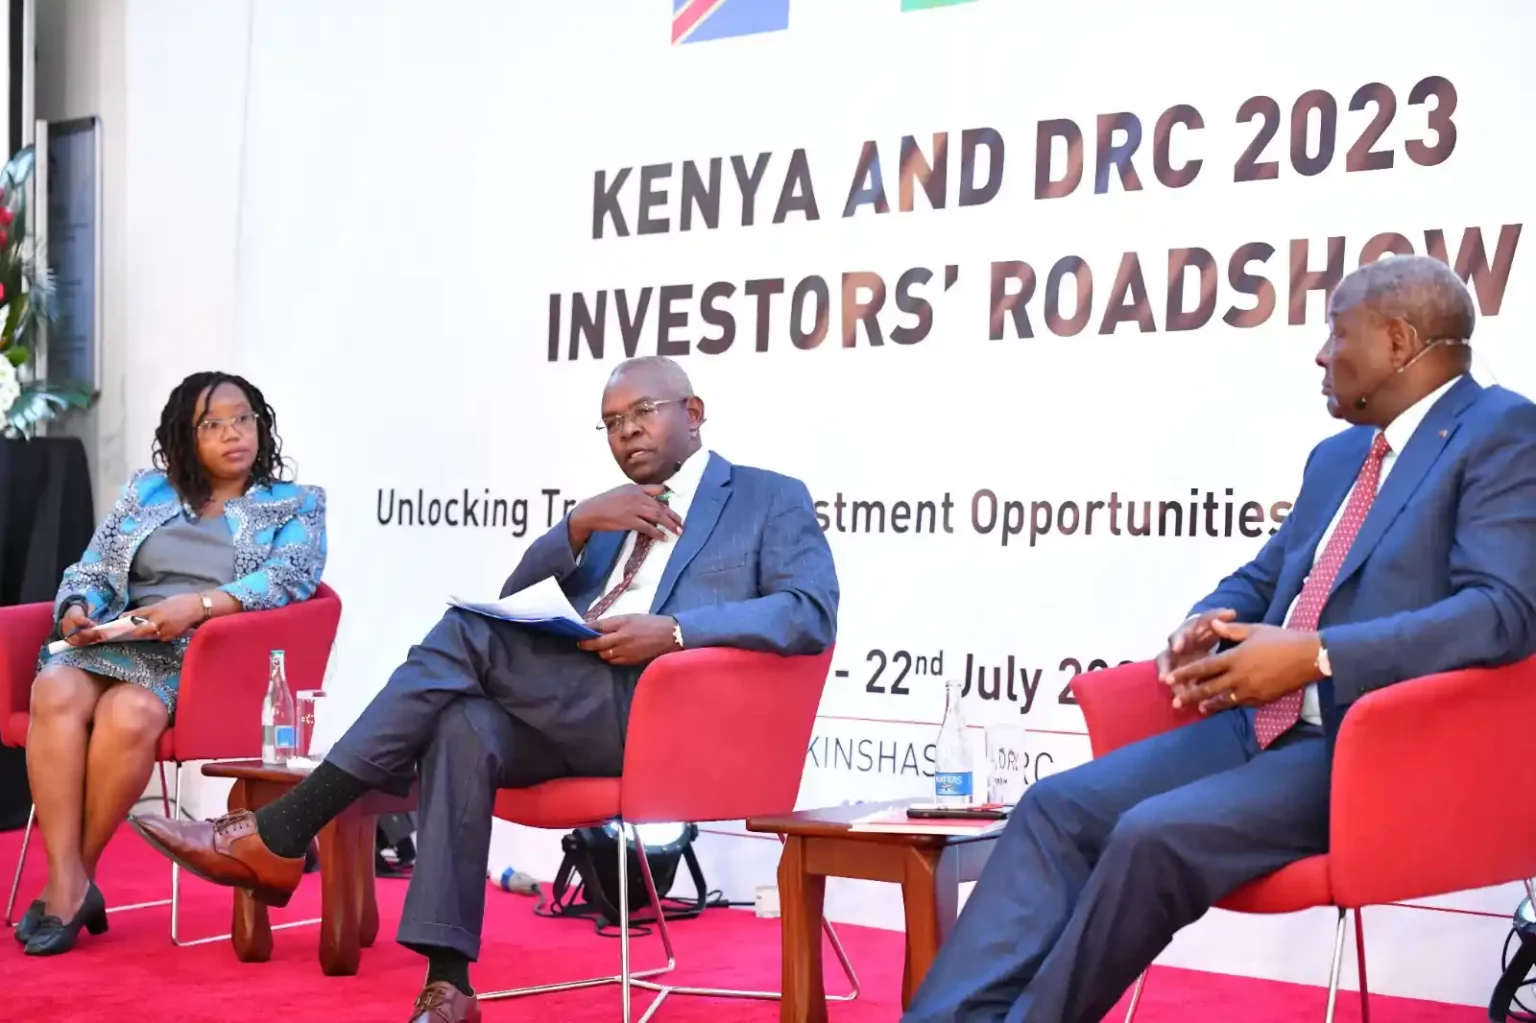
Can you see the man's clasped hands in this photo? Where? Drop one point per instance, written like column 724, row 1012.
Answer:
column 1261, row 663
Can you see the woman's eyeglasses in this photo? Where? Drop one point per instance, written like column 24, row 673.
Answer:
column 244, row 424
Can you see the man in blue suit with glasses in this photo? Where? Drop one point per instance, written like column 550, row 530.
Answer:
column 1410, row 550
column 693, row 552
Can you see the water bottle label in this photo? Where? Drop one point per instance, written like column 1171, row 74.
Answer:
column 283, row 737
column 952, row 783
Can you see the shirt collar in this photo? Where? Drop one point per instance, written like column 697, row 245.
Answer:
column 1400, row 430
column 685, row 482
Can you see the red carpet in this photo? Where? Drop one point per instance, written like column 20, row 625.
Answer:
column 134, row 973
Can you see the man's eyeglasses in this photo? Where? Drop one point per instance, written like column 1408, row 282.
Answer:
column 638, row 414
column 244, row 424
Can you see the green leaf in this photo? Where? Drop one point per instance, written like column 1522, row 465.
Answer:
column 17, row 355
column 40, row 403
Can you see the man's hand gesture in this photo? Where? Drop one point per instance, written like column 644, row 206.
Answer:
column 628, row 509
column 1191, row 641
column 1267, row 662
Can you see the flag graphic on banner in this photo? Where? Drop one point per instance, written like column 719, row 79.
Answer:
column 699, row 21
column 924, row 5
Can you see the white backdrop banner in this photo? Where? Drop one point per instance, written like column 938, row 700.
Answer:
column 1028, row 295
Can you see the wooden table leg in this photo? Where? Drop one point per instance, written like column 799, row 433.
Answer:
column 250, row 928
column 367, row 899
column 339, row 910
column 930, row 892
column 801, row 899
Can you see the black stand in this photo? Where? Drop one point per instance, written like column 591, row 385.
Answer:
column 1519, row 965
column 45, row 523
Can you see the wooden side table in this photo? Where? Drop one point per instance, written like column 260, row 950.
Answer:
column 349, row 909
column 818, row 845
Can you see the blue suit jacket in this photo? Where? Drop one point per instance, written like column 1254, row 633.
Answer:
column 1442, row 574
column 751, row 570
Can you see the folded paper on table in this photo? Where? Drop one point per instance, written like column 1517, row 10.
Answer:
column 543, row 606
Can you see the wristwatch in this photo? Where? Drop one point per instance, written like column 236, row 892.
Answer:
column 1324, row 668
column 677, row 634
column 207, row 605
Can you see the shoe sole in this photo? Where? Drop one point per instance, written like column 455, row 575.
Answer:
column 273, row 897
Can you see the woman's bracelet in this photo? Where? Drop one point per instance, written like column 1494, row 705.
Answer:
column 69, row 602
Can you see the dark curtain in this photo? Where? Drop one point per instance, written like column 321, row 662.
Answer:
column 46, row 520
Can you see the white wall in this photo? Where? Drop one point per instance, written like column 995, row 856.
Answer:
column 167, row 78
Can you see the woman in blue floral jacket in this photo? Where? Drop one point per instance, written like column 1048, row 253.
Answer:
column 211, row 531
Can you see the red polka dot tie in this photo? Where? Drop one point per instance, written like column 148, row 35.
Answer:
column 1274, row 719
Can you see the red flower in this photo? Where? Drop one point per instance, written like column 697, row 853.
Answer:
column 4, row 237
column 6, row 216
column 2, row 292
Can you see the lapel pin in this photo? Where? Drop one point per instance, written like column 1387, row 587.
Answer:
column 1442, row 435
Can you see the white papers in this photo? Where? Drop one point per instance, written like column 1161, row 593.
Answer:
column 543, row 605
column 107, row 631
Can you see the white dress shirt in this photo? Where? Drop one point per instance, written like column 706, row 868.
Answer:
column 1398, row 433
column 636, row 600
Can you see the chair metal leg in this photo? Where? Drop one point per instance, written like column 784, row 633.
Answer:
column 1365, row 992
column 175, row 899
column 165, row 804
column 26, row 842
column 628, row 979
column 1338, row 965
column 21, row 861
column 1130, row 1011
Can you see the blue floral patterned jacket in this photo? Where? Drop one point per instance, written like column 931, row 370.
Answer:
column 279, row 538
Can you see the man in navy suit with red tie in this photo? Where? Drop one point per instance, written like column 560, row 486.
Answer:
column 1410, row 550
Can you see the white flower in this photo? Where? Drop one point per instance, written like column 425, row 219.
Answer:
column 10, row 387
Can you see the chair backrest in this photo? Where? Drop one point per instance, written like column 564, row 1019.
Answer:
column 717, row 734
column 1126, row 704
column 224, row 675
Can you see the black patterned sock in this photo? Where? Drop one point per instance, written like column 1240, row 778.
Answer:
column 288, row 824
column 446, row 964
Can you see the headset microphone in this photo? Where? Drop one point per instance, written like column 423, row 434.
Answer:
column 1362, row 401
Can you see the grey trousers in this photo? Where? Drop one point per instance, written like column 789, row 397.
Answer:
column 479, row 705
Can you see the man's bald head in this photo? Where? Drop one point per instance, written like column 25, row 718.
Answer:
column 1398, row 330
column 656, row 374
column 1420, row 291
column 652, row 418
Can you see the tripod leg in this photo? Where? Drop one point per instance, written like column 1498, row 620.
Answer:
column 1519, row 967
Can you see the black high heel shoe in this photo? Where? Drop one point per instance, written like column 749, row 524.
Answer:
column 54, row 937
column 27, row 925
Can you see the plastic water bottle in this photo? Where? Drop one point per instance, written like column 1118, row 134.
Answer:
column 953, row 774
column 510, row 879
column 277, row 715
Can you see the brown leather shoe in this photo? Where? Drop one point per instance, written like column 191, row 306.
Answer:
column 441, row 1002
column 225, row 851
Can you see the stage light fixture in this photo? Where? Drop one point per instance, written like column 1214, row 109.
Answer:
column 591, row 854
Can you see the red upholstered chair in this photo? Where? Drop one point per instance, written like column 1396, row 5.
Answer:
column 218, row 708
column 1426, row 798
column 714, row 735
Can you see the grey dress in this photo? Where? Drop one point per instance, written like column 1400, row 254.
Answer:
column 184, row 555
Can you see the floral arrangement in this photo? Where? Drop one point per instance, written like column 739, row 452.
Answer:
column 26, row 306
